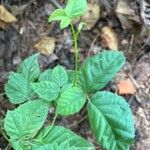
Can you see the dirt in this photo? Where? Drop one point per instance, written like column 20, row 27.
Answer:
column 17, row 41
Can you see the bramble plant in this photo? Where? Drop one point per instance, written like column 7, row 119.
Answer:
column 68, row 91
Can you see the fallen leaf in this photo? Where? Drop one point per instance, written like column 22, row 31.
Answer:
column 91, row 16
column 127, row 15
column 126, row 87
column 6, row 16
column 2, row 24
column 46, row 45
column 109, row 37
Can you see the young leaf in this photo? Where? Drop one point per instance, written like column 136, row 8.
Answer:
column 60, row 135
column 30, row 68
column 46, row 90
column 59, row 76
column 98, row 70
column 75, row 8
column 65, row 22
column 81, row 25
column 46, row 75
column 111, row 121
column 58, row 14
column 24, row 122
column 18, row 88
column 70, row 101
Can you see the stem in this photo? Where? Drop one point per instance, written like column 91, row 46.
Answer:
column 50, row 127
column 54, row 119
column 75, row 39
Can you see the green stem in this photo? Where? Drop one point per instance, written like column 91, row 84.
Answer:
column 75, row 38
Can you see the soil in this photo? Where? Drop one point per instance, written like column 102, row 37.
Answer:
column 17, row 42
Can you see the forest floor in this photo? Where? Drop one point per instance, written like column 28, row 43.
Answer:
column 111, row 24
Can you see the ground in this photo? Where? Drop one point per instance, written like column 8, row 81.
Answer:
column 125, row 30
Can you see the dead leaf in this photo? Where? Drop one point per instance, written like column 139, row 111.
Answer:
column 123, row 8
column 46, row 45
column 126, row 87
column 6, row 16
column 109, row 37
column 91, row 16
column 2, row 24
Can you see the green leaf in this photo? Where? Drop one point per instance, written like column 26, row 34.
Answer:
column 81, row 25
column 46, row 90
column 55, row 146
column 18, row 88
column 111, row 121
column 70, row 101
column 65, row 22
column 70, row 74
column 24, row 122
column 75, row 8
column 46, row 75
column 98, row 70
column 58, row 14
column 30, row 68
column 60, row 135
column 59, row 76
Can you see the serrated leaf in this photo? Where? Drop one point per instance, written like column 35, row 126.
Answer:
column 24, row 122
column 30, row 68
column 46, row 75
column 65, row 22
column 98, row 70
column 75, row 8
column 55, row 146
column 60, row 135
column 58, row 14
column 59, row 76
column 46, row 90
column 111, row 121
column 70, row 101
column 18, row 88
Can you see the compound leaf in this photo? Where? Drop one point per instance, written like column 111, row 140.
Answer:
column 59, row 76
column 70, row 101
column 58, row 14
column 75, row 8
column 18, row 88
column 30, row 68
column 24, row 122
column 59, row 135
column 46, row 75
column 46, row 90
column 111, row 121
column 98, row 70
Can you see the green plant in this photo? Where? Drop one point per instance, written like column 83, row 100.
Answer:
column 68, row 91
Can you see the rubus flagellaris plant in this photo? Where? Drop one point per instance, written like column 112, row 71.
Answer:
column 35, row 92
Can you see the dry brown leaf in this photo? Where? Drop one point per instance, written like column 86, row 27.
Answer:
column 123, row 8
column 2, row 24
column 126, row 87
column 6, row 16
column 109, row 37
column 46, row 45
column 91, row 16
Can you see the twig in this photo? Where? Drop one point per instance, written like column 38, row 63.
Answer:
column 131, row 42
column 78, row 122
